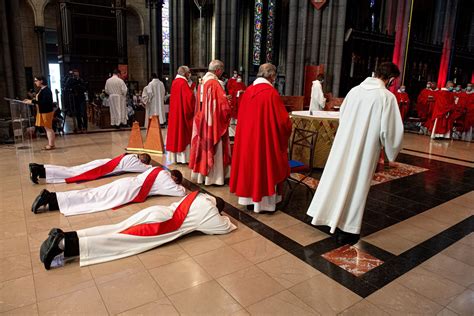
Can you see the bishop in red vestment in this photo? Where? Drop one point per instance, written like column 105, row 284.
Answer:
column 180, row 119
column 210, row 146
column 260, row 157
column 443, row 107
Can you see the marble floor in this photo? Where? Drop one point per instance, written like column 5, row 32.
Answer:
column 415, row 255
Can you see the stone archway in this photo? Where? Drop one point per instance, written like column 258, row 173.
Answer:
column 136, row 53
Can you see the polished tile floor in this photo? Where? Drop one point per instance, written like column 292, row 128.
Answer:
column 415, row 257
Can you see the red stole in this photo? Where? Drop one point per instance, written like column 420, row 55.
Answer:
column 174, row 223
column 211, row 124
column 146, row 187
column 97, row 172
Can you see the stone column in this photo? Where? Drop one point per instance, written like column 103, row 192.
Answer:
column 155, row 37
column 401, row 36
column 448, row 42
column 291, row 47
column 299, row 63
column 16, row 48
column 39, row 30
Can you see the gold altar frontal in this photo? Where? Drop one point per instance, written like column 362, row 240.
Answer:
column 323, row 122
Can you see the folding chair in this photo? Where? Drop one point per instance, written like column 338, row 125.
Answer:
column 300, row 172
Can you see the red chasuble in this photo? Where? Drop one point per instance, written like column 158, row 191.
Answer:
column 211, row 124
column 260, row 157
column 97, row 172
column 444, row 105
column 146, row 187
column 403, row 103
column 174, row 223
column 234, row 101
column 180, row 119
column 422, row 103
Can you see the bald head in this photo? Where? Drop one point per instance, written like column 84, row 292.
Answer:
column 267, row 71
column 184, row 71
column 216, row 67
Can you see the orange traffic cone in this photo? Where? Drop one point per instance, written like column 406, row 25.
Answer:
column 154, row 139
column 135, row 143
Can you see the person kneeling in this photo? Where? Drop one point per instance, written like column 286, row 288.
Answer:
column 145, row 230
column 155, row 181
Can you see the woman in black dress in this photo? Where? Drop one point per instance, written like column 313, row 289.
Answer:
column 44, row 110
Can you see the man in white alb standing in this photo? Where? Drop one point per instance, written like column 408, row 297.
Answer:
column 318, row 101
column 116, row 88
column 153, row 96
column 369, row 119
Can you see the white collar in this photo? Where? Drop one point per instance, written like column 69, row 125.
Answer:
column 182, row 77
column 209, row 76
column 261, row 80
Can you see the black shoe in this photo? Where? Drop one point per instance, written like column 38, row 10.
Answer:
column 250, row 207
column 344, row 238
column 33, row 173
column 50, row 247
column 41, row 200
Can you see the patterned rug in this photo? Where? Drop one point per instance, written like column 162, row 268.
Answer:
column 396, row 170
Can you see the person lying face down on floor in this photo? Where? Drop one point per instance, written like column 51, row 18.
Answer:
column 91, row 170
column 155, row 181
column 145, row 230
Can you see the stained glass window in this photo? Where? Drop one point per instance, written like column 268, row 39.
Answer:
column 165, row 26
column 270, row 27
column 257, row 32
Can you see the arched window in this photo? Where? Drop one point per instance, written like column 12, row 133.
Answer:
column 165, row 23
column 263, row 31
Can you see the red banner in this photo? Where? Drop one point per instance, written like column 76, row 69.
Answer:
column 318, row 4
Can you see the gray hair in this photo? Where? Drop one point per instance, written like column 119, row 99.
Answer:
column 215, row 64
column 183, row 70
column 267, row 71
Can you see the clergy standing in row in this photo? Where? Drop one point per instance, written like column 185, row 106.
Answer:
column 180, row 125
column 369, row 120
column 210, row 146
column 441, row 123
column 153, row 96
column 116, row 88
column 260, row 159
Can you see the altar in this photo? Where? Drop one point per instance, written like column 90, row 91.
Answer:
column 323, row 122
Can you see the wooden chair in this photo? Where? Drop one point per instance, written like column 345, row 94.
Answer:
column 293, row 103
column 300, row 172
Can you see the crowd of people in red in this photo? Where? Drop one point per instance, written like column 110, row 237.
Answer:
column 442, row 111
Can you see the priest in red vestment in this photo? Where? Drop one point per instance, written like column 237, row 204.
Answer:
column 180, row 119
column 232, row 81
column 235, row 92
column 422, row 102
column 443, row 107
column 210, row 146
column 403, row 101
column 260, row 156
